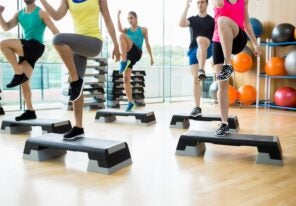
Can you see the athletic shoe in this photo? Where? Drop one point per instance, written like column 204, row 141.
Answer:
column 17, row 80
column 28, row 114
column 201, row 75
column 123, row 66
column 223, row 130
column 225, row 72
column 196, row 111
column 74, row 133
column 76, row 89
column 130, row 106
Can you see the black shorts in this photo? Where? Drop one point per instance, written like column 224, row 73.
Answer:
column 239, row 43
column 134, row 55
column 33, row 50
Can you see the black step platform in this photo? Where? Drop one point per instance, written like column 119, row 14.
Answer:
column 181, row 121
column 109, row 115
column 105, row 156
column 12, row 126
column 269, row 148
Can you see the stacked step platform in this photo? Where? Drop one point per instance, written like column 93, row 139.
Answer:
column 115, row 88
column 94, row 84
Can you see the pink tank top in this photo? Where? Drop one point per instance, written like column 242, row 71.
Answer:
column 235, row 12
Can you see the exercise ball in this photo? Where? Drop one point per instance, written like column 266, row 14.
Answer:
column 257, row 26
column 247, row 94
column 283, row 33
column 275, row 67
column 242, row 62
column 232, row 95
column 213, row 90
column 285, row 97
column 295, row 34
column 290, row 63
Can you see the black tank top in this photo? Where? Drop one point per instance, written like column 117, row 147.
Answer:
column 200, row 26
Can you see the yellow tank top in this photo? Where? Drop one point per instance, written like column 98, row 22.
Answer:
column 85, row 15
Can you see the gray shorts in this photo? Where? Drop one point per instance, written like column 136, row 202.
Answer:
column 82, row 47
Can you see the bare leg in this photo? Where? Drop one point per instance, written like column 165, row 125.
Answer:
column 203, row 45
column 196, row 85
column 26, row 90
column 127, row 84
column 222, row 95
column 228, row 30
column 67, row 56
column 125, row 45
column 10, row 48
column 78, row 111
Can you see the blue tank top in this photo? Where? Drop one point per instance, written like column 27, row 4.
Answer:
column 32, row 24
column 136, row 36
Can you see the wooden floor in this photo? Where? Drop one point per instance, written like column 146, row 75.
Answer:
column 224, row 176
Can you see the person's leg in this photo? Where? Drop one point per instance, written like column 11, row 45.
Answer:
column 67, row 45
column 77, row 131
column 202, row 54
column 228, row 30
column 196, row 90
column 218, row 59
column 82, row 47
column 10, row 48
column 127, row 84
column 125, row 46
column 26, row 90
column 27, row 94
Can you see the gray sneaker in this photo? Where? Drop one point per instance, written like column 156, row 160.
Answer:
column 196, row 111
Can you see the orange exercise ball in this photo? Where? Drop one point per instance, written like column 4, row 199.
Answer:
column 275, row 67
column 295, row 34
column 232, row 95
column 247, row 94
column 242, row 62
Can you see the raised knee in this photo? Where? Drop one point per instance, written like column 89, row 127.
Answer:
column 57, row 40
column 222, row 21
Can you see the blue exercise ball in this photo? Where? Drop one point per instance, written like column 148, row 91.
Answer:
column 283, row 33
column 257, row 26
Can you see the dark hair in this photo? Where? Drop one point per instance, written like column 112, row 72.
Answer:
column 133, row 13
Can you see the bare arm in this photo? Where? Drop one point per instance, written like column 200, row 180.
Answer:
column 249, row 30
column 9, row 24
column 56, row 14
column 110, row 27
column 120, row 29
column 48, row 22
column 148, row 47
column 183, row 20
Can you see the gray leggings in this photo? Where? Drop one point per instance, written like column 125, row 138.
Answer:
column 82, row 47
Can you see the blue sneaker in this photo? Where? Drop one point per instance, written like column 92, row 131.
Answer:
column 130, row 106
column 124, row 66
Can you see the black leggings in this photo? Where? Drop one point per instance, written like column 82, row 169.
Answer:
column 239, row 43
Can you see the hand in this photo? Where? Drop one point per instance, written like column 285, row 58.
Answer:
column 257, row 50
column 151, row 61
column 119, row 12
column 116, row 54
column 1, row 9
